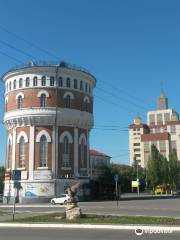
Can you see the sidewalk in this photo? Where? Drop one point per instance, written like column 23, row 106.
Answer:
column 145, row 196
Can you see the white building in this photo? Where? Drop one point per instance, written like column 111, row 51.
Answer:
column 162, row 130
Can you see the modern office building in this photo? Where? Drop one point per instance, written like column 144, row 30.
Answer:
column 48, row 116
column 162, row 129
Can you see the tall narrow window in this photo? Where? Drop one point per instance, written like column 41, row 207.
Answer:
column 35, row 81
column 43, row 82
column 20, row 83
column 19, row 102
column 43, row 100
column 68, row 82
column 27, row 82
column 66, row 152
column 81, row 85
column 60, row 81
column 6, row 102
column 85, row 105
column 10, row 86
column 22, row 152
column 86, row 87
column 7, row 87
column 75, row 83
column 43, row 151
column 51, row 81
column 14, row 84
column 67, row 102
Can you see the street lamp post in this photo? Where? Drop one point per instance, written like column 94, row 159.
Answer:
column 135, row 163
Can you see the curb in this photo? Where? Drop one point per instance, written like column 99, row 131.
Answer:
column 91, row 226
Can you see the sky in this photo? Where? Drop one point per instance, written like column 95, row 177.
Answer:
column 132, row 47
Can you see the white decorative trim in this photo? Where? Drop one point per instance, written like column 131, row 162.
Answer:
column 9, row 139
column 21, row 168
column 42, row 168
column 66, row 133
column 43, row 92
column 68, row 93
column 31, row 152
column 20, row 94
column 86, row 98
column 6, row 99
column 22, row 133
column 81, row 138
column 43, row 132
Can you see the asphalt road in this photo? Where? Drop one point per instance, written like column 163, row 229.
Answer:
column 156, row 207
column 79, row 234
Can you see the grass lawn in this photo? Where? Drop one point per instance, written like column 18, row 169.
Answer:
column 95, row 219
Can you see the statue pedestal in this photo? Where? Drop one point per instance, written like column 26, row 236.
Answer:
column 73, row 212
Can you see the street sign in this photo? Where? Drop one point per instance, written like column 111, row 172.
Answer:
column 116, row 177
column 16, row 175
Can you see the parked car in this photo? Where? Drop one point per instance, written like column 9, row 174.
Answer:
column 62, row 199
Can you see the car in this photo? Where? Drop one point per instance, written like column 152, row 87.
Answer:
column 62, row 199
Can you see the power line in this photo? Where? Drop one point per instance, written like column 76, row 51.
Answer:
column 17, row 49
column 29, row 43
column 13, row 58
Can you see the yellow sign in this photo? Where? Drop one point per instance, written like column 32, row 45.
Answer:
column 134, row 184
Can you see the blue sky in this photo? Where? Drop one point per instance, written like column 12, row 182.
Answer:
column 130, row 46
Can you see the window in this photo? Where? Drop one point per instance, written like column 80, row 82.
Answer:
column 85, row 105
column 60, row 82
column 43, row 81
column 173, row 129
column 152, row 119
column 20, row 83
column 81, row 85
column 173, row 145
column 66, row 152
column 68, row 82
column 146, row 146
column 7, row 87
column 10, row 86
column 43, row 100
column 27, row 82
column 6, row 105
column 162, row 145
column 51, row 81
column 22, row 152
column 35, row 81
column 136, row 144
column 43, row 151
column 67, row 102
column 86, row 87
column 82, row 153
column 19, row 102
column 167, row 117
column 89, row 89
column 159, row 118
column 14, row 84
column 75, row 83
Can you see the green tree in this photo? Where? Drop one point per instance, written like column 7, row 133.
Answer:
column 154, row 167
column 2, row 172
column 174, row 168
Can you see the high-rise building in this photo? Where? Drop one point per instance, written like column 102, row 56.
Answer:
column 48, row 117
column 162, row 129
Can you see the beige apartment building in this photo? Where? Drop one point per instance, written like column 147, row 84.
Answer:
column 162, row 129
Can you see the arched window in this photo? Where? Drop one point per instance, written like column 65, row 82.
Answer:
column 35, row 81
column 68, row 83
column 86, row 87
column 60, row 82
column 20, row 83
column 22, row 152
column 14, row 84
column 7, row 87
column 66, row 152
column 19, row 102
column 82, row 153
column 43, row 81
column 9, row 153
column 43, row 151
column 67, row 101
column 10, row 86
column 85, row 105
column 75, row 83
column 43, row 100
column 27, row 82
column 51, row 81
column 81, row 85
